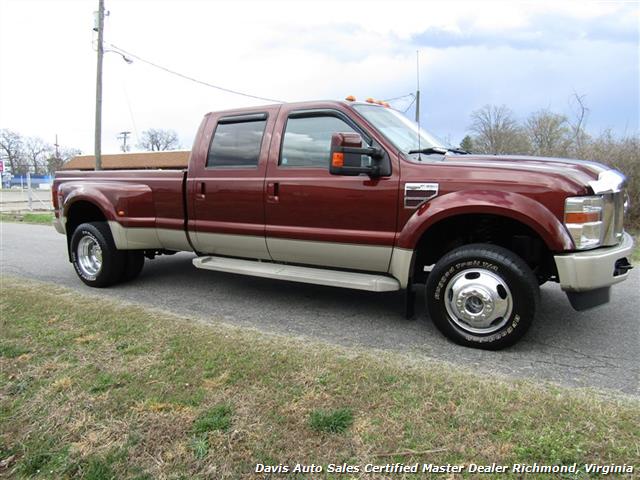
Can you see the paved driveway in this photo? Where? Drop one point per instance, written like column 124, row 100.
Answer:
column 599, row 348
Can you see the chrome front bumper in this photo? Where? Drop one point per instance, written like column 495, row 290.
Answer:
column 594, row 269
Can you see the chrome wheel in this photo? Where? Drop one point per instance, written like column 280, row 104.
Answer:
column 478, row 301
column 89, row 256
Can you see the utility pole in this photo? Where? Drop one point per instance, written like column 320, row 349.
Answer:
column 123, row 136
column 418, row 87
column 57, row 156
column 98, row 132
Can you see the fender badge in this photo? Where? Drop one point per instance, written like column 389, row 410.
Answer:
column 415, row 194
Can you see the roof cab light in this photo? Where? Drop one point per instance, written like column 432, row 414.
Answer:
column 375, row 102
column 583, row 219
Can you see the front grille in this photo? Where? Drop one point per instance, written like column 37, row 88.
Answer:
column 618, row 230
column 613, row 217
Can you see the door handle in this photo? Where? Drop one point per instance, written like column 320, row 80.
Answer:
column 202, row 190
column 273, row 189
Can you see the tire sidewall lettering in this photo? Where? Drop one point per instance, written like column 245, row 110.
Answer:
column 461, row 266
column 508, row 330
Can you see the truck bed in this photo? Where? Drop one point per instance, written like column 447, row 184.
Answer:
column 145, row 208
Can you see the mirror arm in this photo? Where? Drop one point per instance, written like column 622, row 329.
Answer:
column 373, row 171
column 370, row 151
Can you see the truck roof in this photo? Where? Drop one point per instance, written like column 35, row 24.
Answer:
column 302, row 105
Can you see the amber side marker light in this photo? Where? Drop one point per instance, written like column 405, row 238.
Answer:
column 382, row 103
column 338, row 159
column 121, row 213
column 582, row 217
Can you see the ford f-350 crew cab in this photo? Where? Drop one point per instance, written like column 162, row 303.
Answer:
column 355, row 195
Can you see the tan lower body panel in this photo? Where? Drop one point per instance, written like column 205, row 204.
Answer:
column 330, row 254
column 148, row 238
column 247, row 246
column 134, row 238
column 401, row 265
column 372, row 258
column 173, row 239
column 59, row 225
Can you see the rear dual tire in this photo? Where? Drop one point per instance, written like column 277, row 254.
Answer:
column 96, row 259
column 482, row 296
column 133, row 265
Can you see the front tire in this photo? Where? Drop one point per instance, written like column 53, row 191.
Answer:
column 94, row 255
column 482, row 296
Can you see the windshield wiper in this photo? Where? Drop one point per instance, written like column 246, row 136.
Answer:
column 440, row 150
column 458, row 150
column 429, row 150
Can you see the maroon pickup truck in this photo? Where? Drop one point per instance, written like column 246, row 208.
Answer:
column 355, row 195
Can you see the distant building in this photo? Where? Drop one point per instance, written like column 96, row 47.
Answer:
column 135, row 160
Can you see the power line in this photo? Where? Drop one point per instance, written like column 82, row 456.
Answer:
column 123, row 52
column 133, row 121
column 187, row 77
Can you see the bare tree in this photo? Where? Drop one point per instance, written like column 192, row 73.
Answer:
column 578, row 124
column 157, row 139
column 55, row 163
column 36, row 153
column 549, row 133
column 497, row 131
column 12, row 149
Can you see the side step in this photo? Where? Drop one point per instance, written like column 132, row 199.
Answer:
column 318, row 276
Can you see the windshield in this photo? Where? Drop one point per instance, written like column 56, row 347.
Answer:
column 401, row 131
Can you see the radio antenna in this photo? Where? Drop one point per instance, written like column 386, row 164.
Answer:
column 418, row 99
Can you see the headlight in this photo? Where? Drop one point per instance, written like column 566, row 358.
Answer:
column 583, row 219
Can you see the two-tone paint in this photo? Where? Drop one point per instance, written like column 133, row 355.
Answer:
column 308, row 216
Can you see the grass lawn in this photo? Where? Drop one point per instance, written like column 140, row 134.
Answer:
column 96, row 390
column 42, row 218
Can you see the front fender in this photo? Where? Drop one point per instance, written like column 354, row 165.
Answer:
column 506, row 204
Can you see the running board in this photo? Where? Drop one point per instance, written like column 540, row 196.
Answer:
column 317, row 276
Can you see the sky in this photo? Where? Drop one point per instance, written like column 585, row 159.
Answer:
column 526, row 55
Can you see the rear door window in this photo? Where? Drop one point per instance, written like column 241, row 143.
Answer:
column 236, row 144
